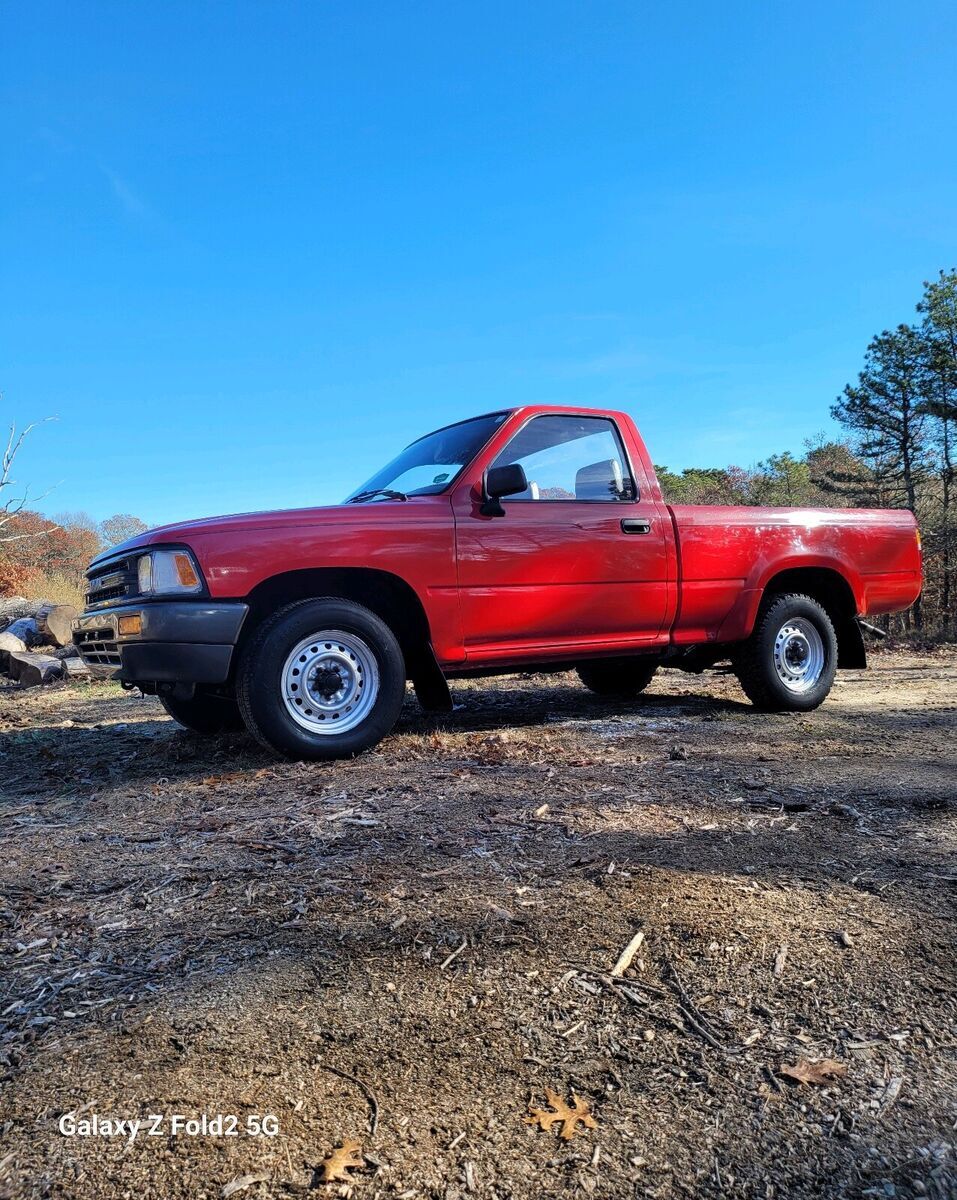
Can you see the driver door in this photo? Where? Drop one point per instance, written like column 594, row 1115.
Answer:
column 580, row 562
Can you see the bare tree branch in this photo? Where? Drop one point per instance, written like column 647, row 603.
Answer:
column 10, row 508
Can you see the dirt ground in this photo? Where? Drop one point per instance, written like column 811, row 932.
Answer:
column 409, row 948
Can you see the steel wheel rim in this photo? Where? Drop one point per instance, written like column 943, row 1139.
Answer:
column 330, row 682
column 799, row 655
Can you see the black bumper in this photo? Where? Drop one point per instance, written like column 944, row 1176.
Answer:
column 180, row 641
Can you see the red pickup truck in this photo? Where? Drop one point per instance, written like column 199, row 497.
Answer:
column 530, row 538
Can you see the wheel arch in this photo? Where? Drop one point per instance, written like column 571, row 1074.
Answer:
column 389, row 596
column 833, row 591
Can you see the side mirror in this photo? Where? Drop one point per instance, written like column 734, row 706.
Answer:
column 498, row 482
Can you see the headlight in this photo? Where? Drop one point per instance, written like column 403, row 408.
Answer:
column 163, row 571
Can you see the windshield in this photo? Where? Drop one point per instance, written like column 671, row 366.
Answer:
column 433, row 462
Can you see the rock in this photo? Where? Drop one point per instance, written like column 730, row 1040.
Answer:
column 33, row 669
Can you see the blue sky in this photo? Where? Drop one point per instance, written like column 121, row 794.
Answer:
column 251, row 249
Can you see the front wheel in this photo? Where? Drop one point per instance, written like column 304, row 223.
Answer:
column 321, row 678
column 789, row 662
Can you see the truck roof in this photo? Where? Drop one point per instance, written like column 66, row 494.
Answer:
column 527, row 409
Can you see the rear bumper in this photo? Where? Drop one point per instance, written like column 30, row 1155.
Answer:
column 180, row 641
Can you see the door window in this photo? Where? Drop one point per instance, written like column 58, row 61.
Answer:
column 570, row 458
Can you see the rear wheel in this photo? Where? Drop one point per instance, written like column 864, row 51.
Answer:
column 621, row 677
column 204, row 712
column 789, row 662
column 321, row 678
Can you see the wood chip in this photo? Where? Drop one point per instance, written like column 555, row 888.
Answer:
column 627, row 955
column 453, row 956
column 891, row 1092
column 243, row 1182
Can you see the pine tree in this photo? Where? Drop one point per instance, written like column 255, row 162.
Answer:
column 840, row 478
column 939, row 328
column 886, row 414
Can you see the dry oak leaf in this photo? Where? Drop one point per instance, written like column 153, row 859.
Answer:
column 346, row 1158
column 825, row 1071
column 569, row 1117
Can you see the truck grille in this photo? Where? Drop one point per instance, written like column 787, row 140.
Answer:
column 97, row 647
column 110, row 581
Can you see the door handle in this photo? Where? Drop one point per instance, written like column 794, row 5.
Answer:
column 635, row 525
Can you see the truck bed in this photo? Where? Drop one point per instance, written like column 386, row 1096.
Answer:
column 727, row 555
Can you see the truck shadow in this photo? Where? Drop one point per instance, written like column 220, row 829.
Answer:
column 50, row 761
column 490, row 707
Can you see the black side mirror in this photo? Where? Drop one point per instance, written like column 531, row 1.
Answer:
column 498, row 482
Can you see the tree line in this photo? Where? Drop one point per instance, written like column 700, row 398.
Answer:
column 46, row 557
column 898, row 451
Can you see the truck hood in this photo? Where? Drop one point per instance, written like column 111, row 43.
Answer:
column 380, row 513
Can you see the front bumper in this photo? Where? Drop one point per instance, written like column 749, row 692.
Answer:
column 180, row 641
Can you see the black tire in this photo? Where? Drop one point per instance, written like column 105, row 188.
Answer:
column 259, row 683
column 204, row 713
column 755, row 662
column 621, row 677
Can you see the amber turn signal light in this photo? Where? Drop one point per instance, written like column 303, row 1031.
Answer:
column 185, row 572
column 128, row 626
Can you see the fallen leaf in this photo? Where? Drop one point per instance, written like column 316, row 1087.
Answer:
column 346, row 1158
column 822, row 1072
column 568, row 1116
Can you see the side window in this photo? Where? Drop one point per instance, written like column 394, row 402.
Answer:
column 570, row 458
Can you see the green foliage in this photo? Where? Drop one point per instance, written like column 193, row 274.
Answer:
column 841, row 478
column 782, row 480
column 701, row 485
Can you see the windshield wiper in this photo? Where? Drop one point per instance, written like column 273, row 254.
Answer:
column 388, row 493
